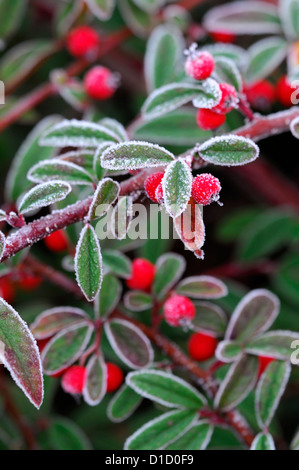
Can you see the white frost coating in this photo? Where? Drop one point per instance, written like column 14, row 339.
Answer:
column 95, row 201
column 208, row 437
column 230, row 139
column 62, row 166
column 44, row 195
column 157, row 399
column 263, row 380
column 122, row 216
column 135, row 308
column 63, row 140
column 98, row 154
column 90, row 365
column 270, row 441
column 149, row 6
column 152, row 49
column 218, row 18
column 54, row 311
column 180, row 269
column 273, row 334
column 115, row 127
column 231, row 51
column 209, row 86
column 209, row 279
column 2, row 243
column 103, row 14
column 36, row 359
column 176, row 197
column 112, row 402
column 294, row 126
column 132, row 160
column 267, row 67
column 65, row 331
column 245, row 301
column 118, row 351
column 286, row 16
column 228, row 64
column 219, row 353
column 147, row 425
column 77, row 260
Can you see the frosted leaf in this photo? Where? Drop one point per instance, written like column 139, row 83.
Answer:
column 138, row 20
column 117, row 263
column 74, row 133
column 288, row 12
column 231, row 150
column 122, row 217
column 59, row 169
column 109, row 296
column 177, row 184
column 66, row 16
column 97, row 166
column 228, row 351
column 21, row 355
column 51, row 321
column 134, row 155
column 14, row 13
column 226, row 71
column 2, row 215
column 150, row 6
column 264, row 57
column 115, row 127
column 209, row 318
column 172, row 96
column 263, row 441
column 275, row 344
column 43, row 195
column 95, row 384
column 137, row 301
column 73, row 92
column 228, row 51
column 169, row 269
column 105, row 195
column 123, row 404
column 83, row 158
column 191, row 230
column 202, row 287
column 196, row 438
column 102, row 9
column 295, row 127
column 2, row 244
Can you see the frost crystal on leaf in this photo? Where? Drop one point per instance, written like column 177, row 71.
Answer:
column 177, row 184
column 230, row 150
column 44, row 195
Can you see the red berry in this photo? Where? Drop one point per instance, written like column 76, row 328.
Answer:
column 30, row 281
column 178, row 310
column 143, row 274
column 100, row 83
column 115, row 377
column 208, row 120
column 285, row 92
column 199, row 65
column 229, row 99
column 205, row 189
column 223, row 36
column 151, row 185
column 6, row 290
column 260, row 95
column 57, row 241
column 202, row 346
column 83, row 41
column 264, row 361
column 73, row 380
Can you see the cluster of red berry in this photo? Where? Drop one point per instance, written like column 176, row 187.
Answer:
column 99, row 82
column 263, row 94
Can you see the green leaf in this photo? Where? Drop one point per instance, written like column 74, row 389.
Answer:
column 88, row 263
column 174, row 95
column 202, row 287
column 228, row 351
column 240, row 17
column 19, row 354
column 264, row 57
column 2, row 243
column 13, row 12
column 133, row 155
column 177, row 185
column 269, row 391
column 226, row 71
column 137, row 301
column 28, row 155
column 238, row 382
column 97, row 166
column 129, row 343
column 160, row 432
column 210, row 318
column 94, row 388
column 74, row 133
column 196, row 438
column 102, row 9
column 166, row 389
column 17, row 64
column 289, row 14
column 64, row 434
column 116, row 127
column 263, row 441
column 109, row 296
column 277, row 344
column 43, row 195
column 74, row 94
column 169, row 269
column 286, row 278
column 66, row 15
column 117, row 263
column 255, row 313
column 179, row 127
column 228, row 51
column 56, row 169
column 122, row 217
column 139, row 21
column 149, row 5
column 51, row 321
column 295, row 442
column 229, row 151
column 163, row 56
column 66, row 347
column 105, row 195
column 83, row 158
column 123, row 404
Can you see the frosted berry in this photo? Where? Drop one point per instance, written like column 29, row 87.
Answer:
column 57, row 241
column 199, row 65
column 115, row 377
column 100, row 83
column 285, row 91
column 83, row 41
column 229, row 99
column 201, row 346
column 29, row 282
column 7, row 291
column 264, row 361
column 151, row 185
column 178, row 310
column 73, row 380
column 142, row 275
column 208, row 120
column 260, row 95
column 223, row 36
column 205, row 189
